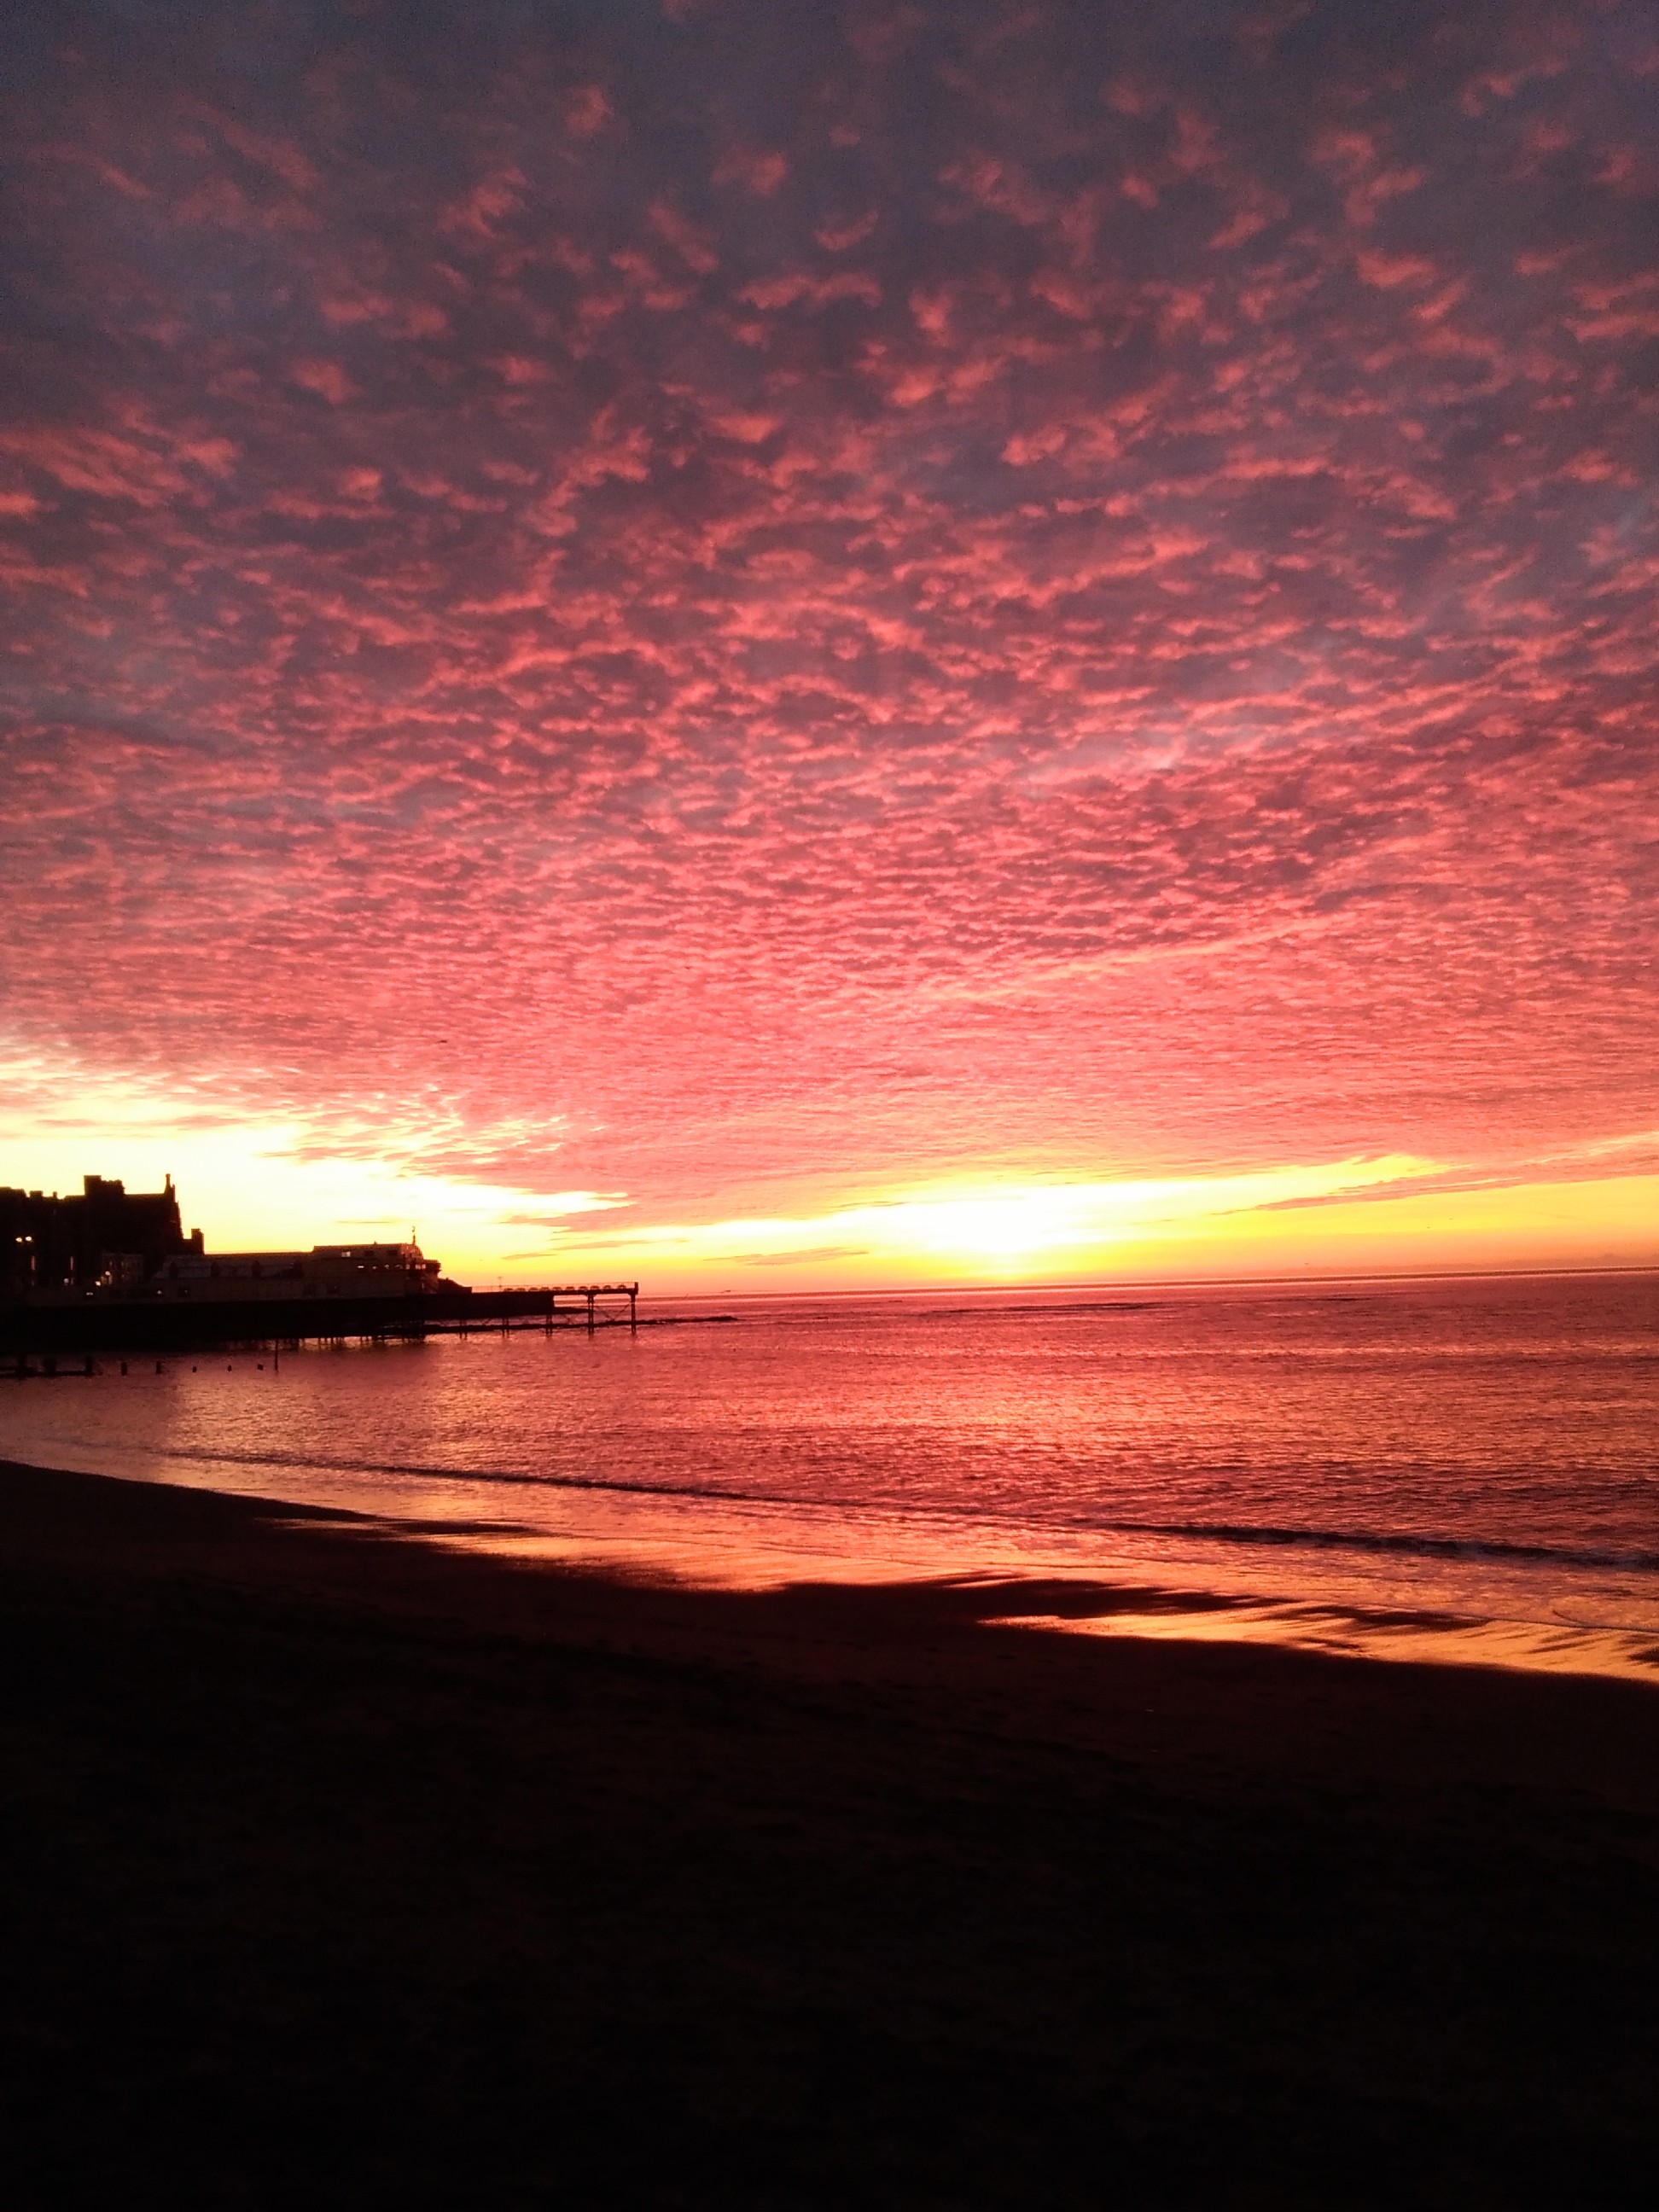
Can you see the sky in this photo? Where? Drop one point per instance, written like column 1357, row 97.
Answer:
column 762, row 646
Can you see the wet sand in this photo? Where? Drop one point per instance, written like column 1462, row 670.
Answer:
column 342, row 1870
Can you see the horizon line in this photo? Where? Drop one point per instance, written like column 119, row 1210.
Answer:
column 1174, row 1283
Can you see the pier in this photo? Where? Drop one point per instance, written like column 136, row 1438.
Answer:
column 110, row 1270
column 527, row 1308
column 77, row 1330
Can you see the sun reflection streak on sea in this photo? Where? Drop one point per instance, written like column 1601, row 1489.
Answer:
column 1459, row 1469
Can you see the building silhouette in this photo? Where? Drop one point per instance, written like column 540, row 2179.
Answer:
column 106, row 1236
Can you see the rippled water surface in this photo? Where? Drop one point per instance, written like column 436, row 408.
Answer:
column 1468, row 1468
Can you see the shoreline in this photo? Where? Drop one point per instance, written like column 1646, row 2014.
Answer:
column 344, row 1868
column 1146, row 1598
column 1021, row 1630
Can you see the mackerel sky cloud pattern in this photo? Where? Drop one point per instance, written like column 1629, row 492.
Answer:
column 716, row 601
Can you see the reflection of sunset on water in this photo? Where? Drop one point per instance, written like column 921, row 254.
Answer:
column 1458, row 1469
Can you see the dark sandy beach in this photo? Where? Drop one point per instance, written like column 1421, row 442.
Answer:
column 344, row 1871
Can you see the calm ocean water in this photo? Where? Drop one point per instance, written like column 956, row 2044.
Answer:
column 1461, row 1469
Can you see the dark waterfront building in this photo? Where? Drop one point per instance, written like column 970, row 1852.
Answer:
column 110, row 1243
column 104, row 1238
column 109, row 1272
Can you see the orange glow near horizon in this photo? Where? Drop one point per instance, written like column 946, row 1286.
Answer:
column 259, row 1189
column 1192, row 1229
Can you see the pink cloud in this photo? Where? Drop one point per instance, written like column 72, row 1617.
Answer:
column 954, row 660
column 758, row 171
column 326, row 379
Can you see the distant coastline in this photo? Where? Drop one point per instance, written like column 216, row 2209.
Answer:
column 1116, row 1283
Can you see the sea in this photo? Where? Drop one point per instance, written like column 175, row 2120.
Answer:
column 1461, row 1469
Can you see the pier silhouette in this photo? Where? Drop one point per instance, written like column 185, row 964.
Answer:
column 112, row 1272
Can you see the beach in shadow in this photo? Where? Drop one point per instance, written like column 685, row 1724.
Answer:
column 343, row 1869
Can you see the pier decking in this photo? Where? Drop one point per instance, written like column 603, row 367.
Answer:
column 37, row 1330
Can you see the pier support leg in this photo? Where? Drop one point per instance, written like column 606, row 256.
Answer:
column 633, row 1316
column 590, row 1313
